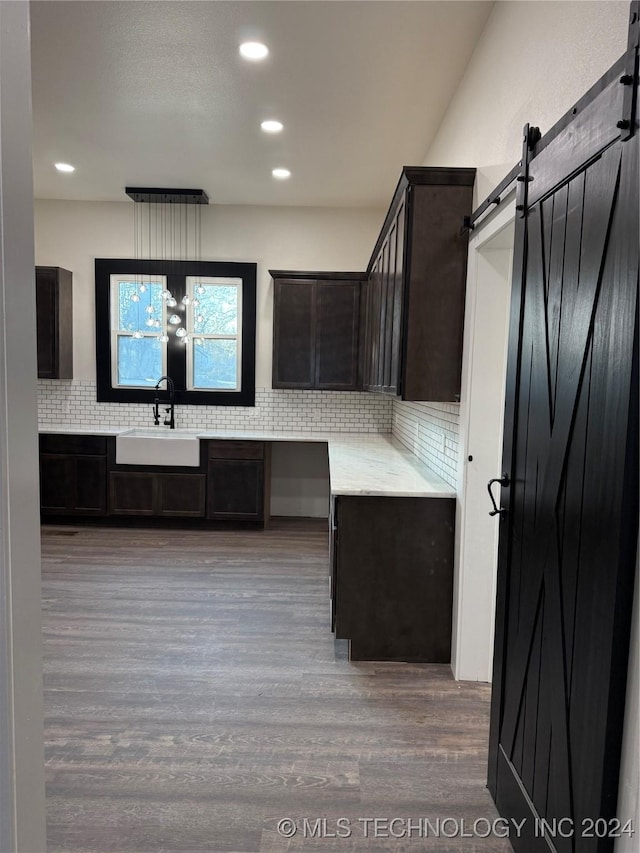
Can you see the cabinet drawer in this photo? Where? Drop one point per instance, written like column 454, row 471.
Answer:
column 236, row 450
column 86, row 445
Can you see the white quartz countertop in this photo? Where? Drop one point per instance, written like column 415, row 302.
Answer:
column 359, row 463
column 380, row 465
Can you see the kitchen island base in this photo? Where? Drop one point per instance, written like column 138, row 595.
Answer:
column 392, row 576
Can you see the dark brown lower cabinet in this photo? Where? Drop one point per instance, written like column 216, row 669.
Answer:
column 236, row 489
column 153, row 493
column 73, row 484
column 392, row 577
column 73, row 475
column 238, row 481
column 80, row 477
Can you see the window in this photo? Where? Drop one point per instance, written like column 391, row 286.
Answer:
column 212, row 358
column 138, row 356
column 215, row 333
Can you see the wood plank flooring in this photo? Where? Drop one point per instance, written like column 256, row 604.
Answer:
column 195, row 697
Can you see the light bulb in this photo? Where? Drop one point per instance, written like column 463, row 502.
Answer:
column 200, row 318
column 200, row 289
column 195, row 302
column 143, row 288
column 149, row 309
column 254, row 50
column 175, row 320
column 166, row 294
column 150, row 322
column 180, row 333
column 186, row 339
column 271, row 126
column 157, row 323
column 135, row 297
column 171, row 302
column 163, row 338
column 137, row 335
column 186, row 299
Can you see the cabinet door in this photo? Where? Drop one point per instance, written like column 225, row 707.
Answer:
column 333, row 558
column 294, row 330
column 235, row 489
column 395, row 353
column 435, row 277
column 131, row 493
column 385, row 317
column 374, row 324
column 47, row 323
column 54, row 323
column 73, row 485
column 90, row 494
column 180, row 495
column 337, row 307
column 363, row 335
column 56, row 483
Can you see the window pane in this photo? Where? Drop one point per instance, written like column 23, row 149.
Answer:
column 139, row 361
column 218, row 309
column 215, row 364
column 133, row 315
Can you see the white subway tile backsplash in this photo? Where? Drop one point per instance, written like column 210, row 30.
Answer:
column 430, row 431
column 73, row 403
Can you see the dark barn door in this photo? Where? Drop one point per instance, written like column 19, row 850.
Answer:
column 567, row 549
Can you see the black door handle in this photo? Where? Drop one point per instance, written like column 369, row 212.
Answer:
column 504, row 481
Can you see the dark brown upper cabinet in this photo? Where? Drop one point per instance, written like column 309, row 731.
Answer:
column 316, row 320
column 54, row 310
column 414, row 294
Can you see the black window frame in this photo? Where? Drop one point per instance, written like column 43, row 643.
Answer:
column 176, row 273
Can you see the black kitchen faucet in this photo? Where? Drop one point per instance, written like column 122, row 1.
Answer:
column 169, row 411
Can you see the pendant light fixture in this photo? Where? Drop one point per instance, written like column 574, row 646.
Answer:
column 167, row 225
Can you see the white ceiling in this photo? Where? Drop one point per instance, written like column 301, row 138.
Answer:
column 154, row 94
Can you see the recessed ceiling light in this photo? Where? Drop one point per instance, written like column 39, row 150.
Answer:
column 272, row 126
column 281, row 174
column 254, row 50
column 65, row 167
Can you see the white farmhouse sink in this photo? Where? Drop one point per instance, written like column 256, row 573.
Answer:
column 159, row 446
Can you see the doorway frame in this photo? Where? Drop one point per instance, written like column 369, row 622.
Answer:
column 473, row 629
column 22, row 771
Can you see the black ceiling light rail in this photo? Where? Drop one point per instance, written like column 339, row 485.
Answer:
column 156, row 195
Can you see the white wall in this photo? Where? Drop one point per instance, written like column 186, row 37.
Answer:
column 629, row 794
column 300, row 480
column 72, row 234
column 532, row 62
